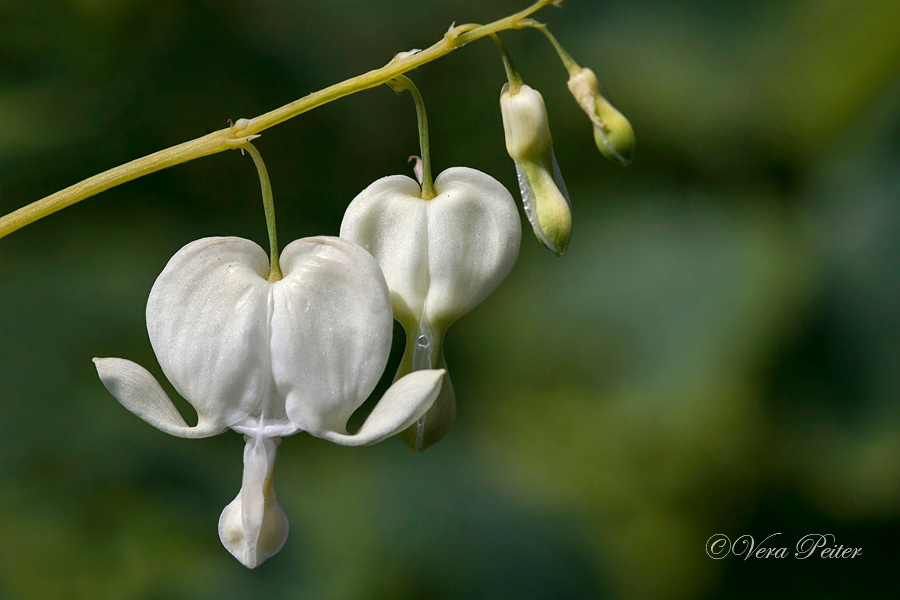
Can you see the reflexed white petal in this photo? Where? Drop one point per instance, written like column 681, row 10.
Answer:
column 138, row 391
column 253, row 527
column 208, row 319
column 401, row 406
column 331, row 331
column 443, row 256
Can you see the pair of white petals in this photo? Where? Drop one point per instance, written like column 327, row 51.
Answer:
column 269, row 360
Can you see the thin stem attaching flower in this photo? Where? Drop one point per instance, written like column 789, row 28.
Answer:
column 269, row 208
column 405, row 83
column 571, row 66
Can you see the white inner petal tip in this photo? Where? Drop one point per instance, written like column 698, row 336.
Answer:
column 253, row 527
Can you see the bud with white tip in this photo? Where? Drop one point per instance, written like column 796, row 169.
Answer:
column 530, row 145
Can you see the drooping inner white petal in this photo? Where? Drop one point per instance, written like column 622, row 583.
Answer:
column 253, row 527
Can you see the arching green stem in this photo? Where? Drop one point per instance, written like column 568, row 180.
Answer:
column 235, row 136
column 399, row 84
column 269, row 207
column 515, row 80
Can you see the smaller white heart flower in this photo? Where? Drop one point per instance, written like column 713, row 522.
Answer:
column 441, row 257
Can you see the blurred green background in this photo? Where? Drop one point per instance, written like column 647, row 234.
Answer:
column 717, row 353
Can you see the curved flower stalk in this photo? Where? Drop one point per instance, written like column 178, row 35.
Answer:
column 269, row 359
column 530, row 145
column 441, row 257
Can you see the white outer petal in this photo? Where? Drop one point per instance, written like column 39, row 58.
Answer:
column 208, row 317
column 331, row 331
column 443, row 256
column 402, row 405
column 138, row 391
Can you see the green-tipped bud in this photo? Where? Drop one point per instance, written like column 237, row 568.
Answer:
column 612, row 131
column 530, row 145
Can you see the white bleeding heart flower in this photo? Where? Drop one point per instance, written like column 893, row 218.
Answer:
column 530, row 145
column 269, row 359
column 613, row 133
column 441, row 257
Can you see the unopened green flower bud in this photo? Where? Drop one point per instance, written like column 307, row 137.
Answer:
column 530, row 145
column 612, row 131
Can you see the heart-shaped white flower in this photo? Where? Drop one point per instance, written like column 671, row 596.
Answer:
column 269, row 359
column 441, row 257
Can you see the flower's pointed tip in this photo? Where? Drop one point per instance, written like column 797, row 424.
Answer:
column 435, row 375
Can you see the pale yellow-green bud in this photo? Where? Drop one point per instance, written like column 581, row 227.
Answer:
column 612, row 131
column 525, row 123
column 530, row 145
